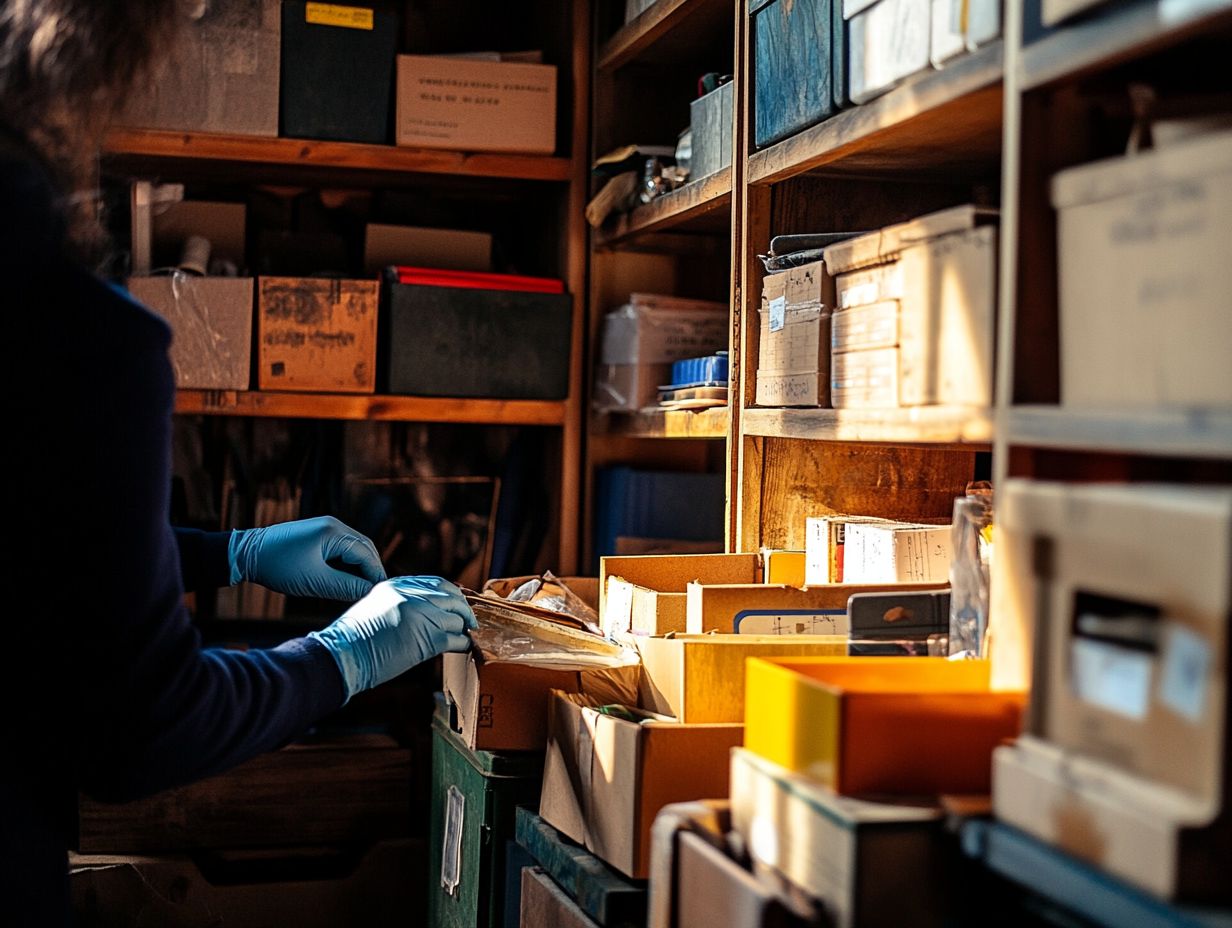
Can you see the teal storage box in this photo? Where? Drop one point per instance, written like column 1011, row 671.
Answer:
column 797, row 65
column 475, row 795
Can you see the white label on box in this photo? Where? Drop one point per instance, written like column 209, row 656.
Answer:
column 1111, row 677
column 791, row 622
column 617, row 607
column 451, row 848
column 816, row 551
column 778, row 313
column 1186, row 669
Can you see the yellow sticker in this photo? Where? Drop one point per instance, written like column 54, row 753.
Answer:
column 331, row 14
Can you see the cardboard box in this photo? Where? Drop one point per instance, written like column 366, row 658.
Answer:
column 1166, row 842
column 887, row 41
column 868, row 286
column 1144, row 278
column 946, row 320
column 709, row 819
column 710, row 124
column 866, row 863
column 337, row 71
column 605, row 778
column 712, row 889
column 211, row 327
column 825, row 539
column 700, row 678
column 545, row 903
column 1129, row 591
column 222, row 75
column 885, row 244
column 316, row 335
column 949, row 37
column 448, row 249
column 475, row 105
column 640, row 340
column 865, row 379
column 863, row 328
column 879, row 725
column 501, row 698
column 793, row 360
column 983, row 22
column 876, row 553
column 646, row 594
column 765, row 609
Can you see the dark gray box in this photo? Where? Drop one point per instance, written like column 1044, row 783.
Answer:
column 452, row 341
column 710, row 125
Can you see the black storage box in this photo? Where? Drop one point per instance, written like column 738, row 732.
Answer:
column 798, row 65
column 453, row 341
column 337, row 72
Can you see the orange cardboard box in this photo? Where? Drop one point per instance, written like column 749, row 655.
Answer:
column 870, row 725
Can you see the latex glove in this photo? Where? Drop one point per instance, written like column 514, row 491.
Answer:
column 294, row 558
column 401, row 623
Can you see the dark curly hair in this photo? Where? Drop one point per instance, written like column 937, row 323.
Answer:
column 65, row 68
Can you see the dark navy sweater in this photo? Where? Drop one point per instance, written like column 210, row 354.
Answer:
column 107, row 689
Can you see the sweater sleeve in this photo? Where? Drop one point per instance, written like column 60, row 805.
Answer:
column 155, row 709
column 203, row 559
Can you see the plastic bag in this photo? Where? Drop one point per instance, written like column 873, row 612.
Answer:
column 969, row 570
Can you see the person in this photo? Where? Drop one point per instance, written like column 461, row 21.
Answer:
column 107, row 688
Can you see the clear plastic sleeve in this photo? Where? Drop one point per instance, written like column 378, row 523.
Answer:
column 969, row 570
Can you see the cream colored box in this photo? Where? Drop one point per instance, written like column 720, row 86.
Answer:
column 864, row 379
column 1145, row 280
column 476, row 105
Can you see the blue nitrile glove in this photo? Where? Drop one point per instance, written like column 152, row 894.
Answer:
column 401, row 623
column 294, row 558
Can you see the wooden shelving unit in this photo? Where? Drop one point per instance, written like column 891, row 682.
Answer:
column 665, row 423
column 701, row 206
column 1192, row 434
column 1118, row 34
column 665, row 30
column 923, row 425
column 358, row 406
column 554, row 184
column 942, row 121
column 147, row 146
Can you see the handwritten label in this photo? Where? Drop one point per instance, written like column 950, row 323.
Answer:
column 331, row 14
column 778, row 313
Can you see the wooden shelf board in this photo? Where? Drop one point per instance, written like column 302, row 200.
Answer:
column 702, row 205
column 665, row 423
column 1117, row 33
column 1179, row 433
column 146, row 144
column 667, row 31
column 938, row 122
column 368, row 406
column 925, row 425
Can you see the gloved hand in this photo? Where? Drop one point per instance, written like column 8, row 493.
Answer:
column 402, row 622
column 293, row 558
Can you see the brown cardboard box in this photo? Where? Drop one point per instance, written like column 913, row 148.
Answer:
column 606, row 778
column 865, row 379
column 546, row 905
column 476, row 105
column 1144, row 278
column 765, row 609
column 946, row 320
column 700, row 678
column 222, row 74
column 885, row 244
column 866, row 863
column 793, row 363
column 502, row 704
column 709, row 819
column 316, row 335
column 1127, row 591
column 646, row 594
column 449, row 249
column 211, row 326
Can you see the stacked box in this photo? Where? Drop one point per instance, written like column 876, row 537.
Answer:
column 793, row 361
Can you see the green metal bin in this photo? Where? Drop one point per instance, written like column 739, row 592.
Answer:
column 475, row 795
